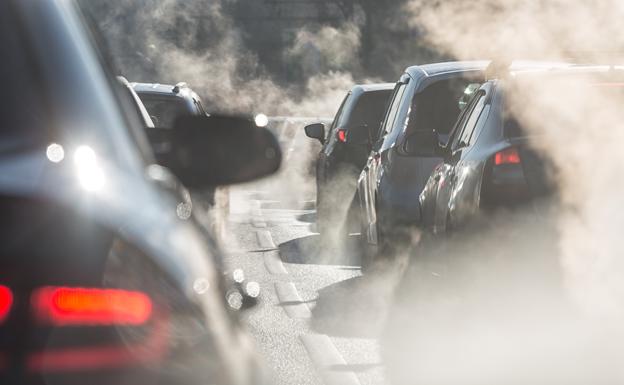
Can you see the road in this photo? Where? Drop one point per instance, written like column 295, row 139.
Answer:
column 318, row 318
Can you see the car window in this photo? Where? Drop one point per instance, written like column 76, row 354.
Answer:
column 469, row 121
column 165, row 109
column 393, row 109
column 369, row 110
column 23, row 125
column 437, row 107
column 479, row 125
column 339, row 117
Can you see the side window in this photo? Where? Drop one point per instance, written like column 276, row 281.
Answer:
column 469, row 121
column 479, row 126
column 337, row 118
column 393, row 109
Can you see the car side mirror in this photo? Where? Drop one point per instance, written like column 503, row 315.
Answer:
column 208, row 151
column 423, row 143
column 358, row 135
column 315, row 131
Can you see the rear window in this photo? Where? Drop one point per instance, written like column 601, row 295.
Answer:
column 164, row 108
column 438, row 106
column 24, row 122
column 369, row 109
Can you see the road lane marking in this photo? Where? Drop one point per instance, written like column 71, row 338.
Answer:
column 265, row 240
column 326, row 358
column 291, row 301
column 273, row 262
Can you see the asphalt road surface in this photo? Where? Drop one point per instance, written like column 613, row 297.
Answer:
column 318, row 318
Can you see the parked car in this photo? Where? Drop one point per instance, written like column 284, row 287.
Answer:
column 425, row 99
column 346, row 144
column 489, row 161
column 102, row 279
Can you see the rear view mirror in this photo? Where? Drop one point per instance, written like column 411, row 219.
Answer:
column 315, row 131
column 358, row 135
column 423, row 143
column 219, row 150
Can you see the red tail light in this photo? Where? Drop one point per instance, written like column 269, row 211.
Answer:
column 341, row 135
column 80, row 306
column 507, row 156
column 6, row 301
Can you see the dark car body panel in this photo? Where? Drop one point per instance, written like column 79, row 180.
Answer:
column 58, row 232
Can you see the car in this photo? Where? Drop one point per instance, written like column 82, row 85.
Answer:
column 346, row 144
column 490, row 162
column 426, row 98
column 164, row 176
column 164, row 103
column 102, row 279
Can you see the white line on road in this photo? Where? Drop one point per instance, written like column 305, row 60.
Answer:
column 273, row 262
column 264, row 239
column 291, row 301
column 328, row 360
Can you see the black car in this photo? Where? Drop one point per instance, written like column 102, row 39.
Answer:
column 426, row 98
column 102, row 279
column 489, row 161
column 345, row 148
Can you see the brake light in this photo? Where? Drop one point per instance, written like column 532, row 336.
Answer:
column 507, row 156
column 341, row 135
column 86, row 306
column 6, row 301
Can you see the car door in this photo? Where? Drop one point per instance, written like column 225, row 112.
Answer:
column 369, row 177
column 449, row 177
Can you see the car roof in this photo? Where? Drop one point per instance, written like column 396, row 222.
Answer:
column 434, row 69
column 164, row 89
column 373, row 87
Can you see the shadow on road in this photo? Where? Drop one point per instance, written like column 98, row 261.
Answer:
column 314, row 249
column 307, row 218
column 357, row 307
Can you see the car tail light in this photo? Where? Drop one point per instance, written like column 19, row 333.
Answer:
column 341, row 135
column 61, row 306
column 6, row 301
column 507, row 156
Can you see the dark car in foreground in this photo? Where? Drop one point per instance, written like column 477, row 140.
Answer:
column 102, row 279
column 426, row 99
column 346, row 144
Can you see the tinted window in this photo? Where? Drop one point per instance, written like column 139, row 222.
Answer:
column 369, row 110
column 437, row 107
column 24, row 122
column 165, row 109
